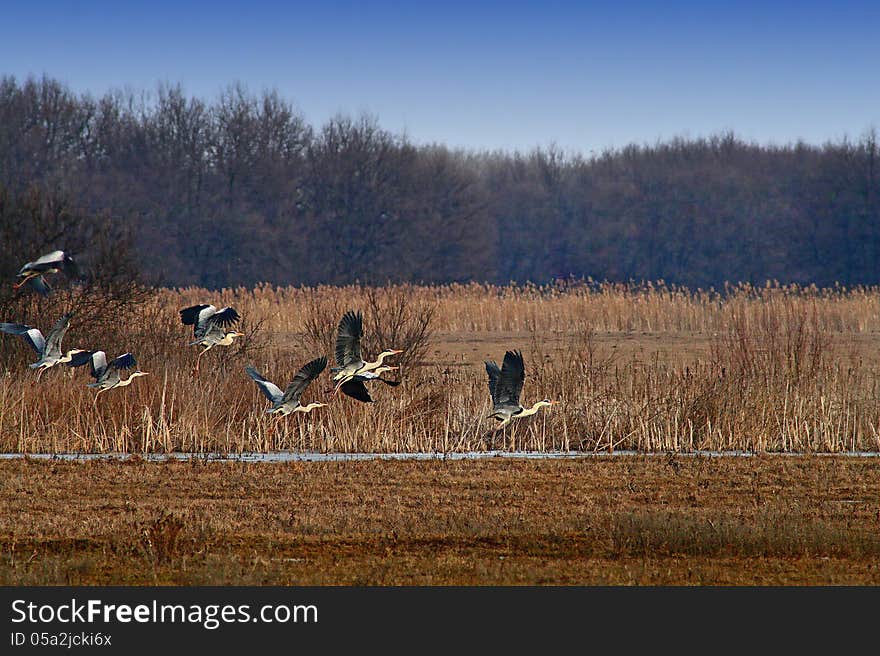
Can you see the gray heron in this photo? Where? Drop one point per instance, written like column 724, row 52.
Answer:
column 49, row 347
column 286, row 402
column 505, row 386
column 349, row 362
column 211, row 327
column 33, row 273
column 356, row 389
column 107, row 374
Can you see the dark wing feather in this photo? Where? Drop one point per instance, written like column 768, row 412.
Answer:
column 393, row 383
column 81, row 358
column 303, row 377
column 348, row 338
column 356, row 390
column 225, row 317
column 53, row 339
column 124, row 361
column 510, row 382
column 189, row 316
column 494, row 374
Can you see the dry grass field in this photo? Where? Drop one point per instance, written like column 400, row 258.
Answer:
column 648, row 368
column 628, row 520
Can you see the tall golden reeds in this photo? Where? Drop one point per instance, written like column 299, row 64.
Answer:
column 777, row 372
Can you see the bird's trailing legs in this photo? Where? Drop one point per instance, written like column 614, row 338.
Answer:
column 195, row 371
column 22, row 282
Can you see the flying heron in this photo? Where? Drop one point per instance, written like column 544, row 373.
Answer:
column 48, row 348
column 505, row 386
column 33, row 273
column 356, row 389
column 107, row 374
column 210, row 327
column 286, row 402
column 348, row 350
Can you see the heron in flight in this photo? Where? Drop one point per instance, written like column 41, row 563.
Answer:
column 349, row 362
column 505, row 386
column 107, row 374
column 210, row 327
column 49, row 347
column 33, row 273
column 286, row 402
column 356, row 389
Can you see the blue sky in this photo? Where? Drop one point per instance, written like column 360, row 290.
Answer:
column 486, row 75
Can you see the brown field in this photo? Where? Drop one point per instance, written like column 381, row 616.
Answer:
column 648, row 368
column 642, row 520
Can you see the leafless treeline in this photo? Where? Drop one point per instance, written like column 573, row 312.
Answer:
column 242, row 189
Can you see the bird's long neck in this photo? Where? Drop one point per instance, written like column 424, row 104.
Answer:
column 307, row 408
column 530, row 411
column 67, row 357
column 127, row 381
column 369, row 366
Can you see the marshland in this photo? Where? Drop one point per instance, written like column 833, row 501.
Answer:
column 647, row 367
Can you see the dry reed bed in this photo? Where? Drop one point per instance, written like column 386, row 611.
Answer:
column 776, row 377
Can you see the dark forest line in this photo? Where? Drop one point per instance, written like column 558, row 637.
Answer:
column 241, row 189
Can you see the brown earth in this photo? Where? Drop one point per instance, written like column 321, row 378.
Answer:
column 643, row 520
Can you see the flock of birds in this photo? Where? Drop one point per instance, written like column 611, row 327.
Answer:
column 215, row 327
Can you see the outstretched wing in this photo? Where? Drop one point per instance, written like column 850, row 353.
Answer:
column 356, row 390
column 33, row 336
column 53, row 260
column 303, row 377
column 348, row 338
column 190, row 316
column 510, row 382
column 124, row 361
column 53, row 339
column 269, row 389
column 494, row 374
column 213, row 320
column 81, row 358
column 225, row 317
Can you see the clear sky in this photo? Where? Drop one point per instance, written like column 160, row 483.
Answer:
column 486, row 75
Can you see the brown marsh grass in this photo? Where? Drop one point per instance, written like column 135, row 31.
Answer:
column 779, row 368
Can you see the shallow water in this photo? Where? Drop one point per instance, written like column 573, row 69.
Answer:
column 291, row 456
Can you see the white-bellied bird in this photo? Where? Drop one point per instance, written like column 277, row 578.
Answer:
column 283, row 403
column 107, row 374
column 349, row 362
column 49, row 347
column 211, row 327
column 505, row 386
column 33, row 273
